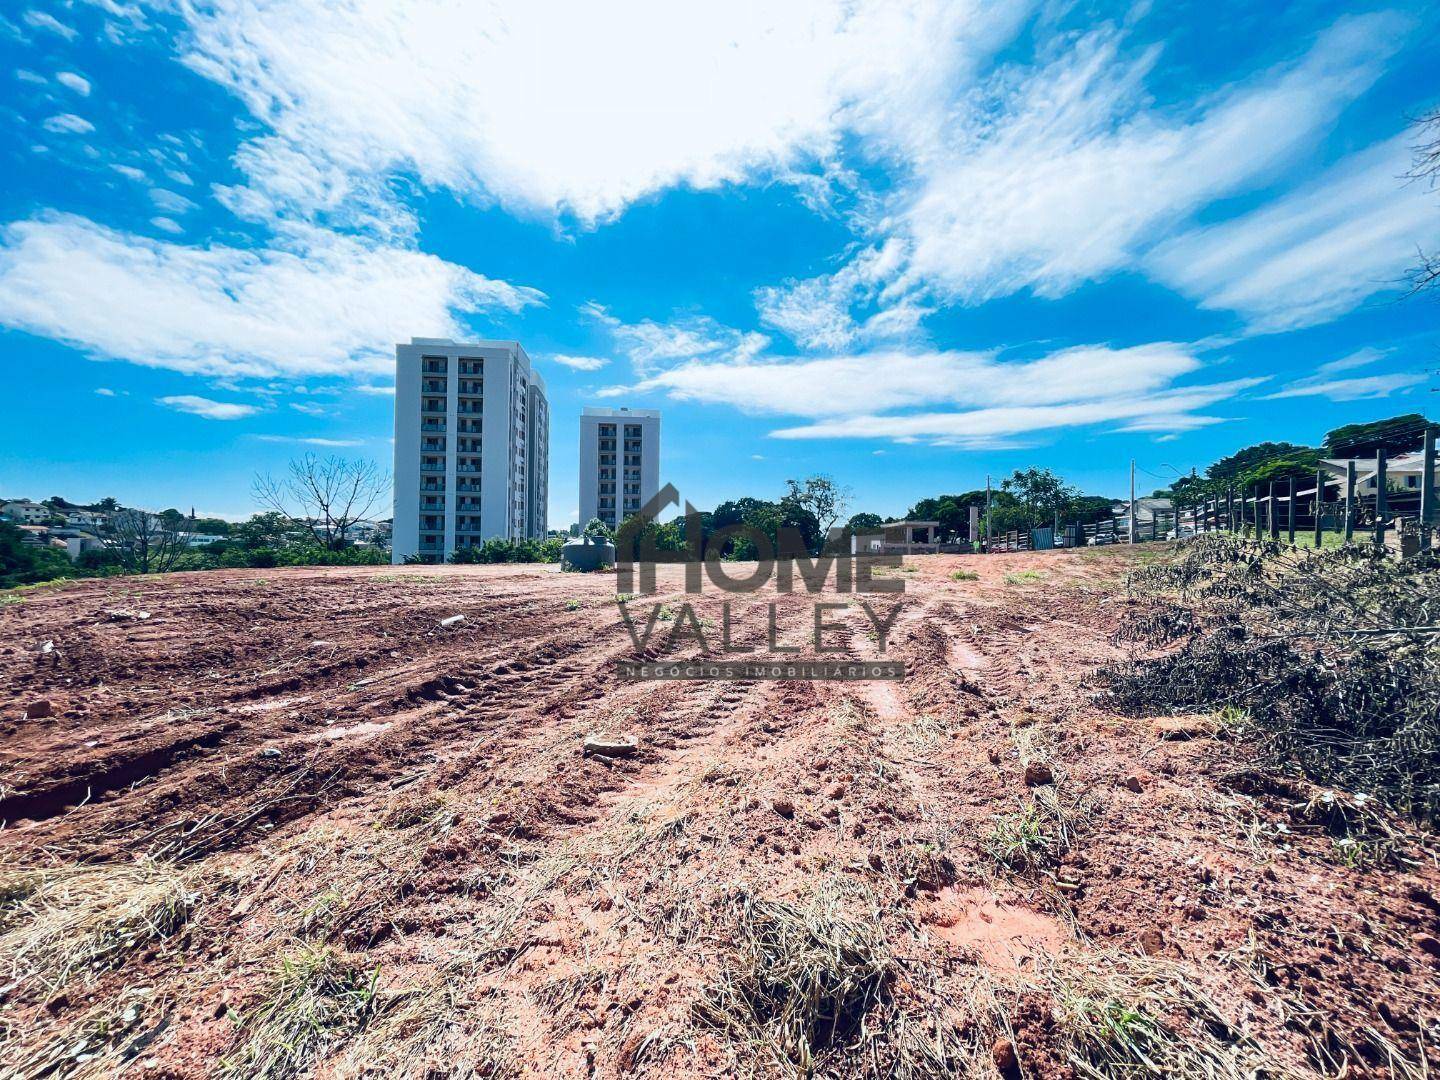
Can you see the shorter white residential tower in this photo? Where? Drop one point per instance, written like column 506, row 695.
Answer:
column 619, row 462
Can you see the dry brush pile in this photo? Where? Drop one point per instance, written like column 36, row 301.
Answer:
column 1329, row 659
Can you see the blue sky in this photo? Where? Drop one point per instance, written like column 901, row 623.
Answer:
column 905, row 244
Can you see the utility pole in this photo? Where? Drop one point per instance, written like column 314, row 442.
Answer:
column 1427, row 489
column 987, row 512
column 1132, row 500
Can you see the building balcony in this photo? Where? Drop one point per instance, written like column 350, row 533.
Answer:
column 433, row 425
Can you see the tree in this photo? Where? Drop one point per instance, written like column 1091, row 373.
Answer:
column 822, row 498
column 25, row 564
column 327, row 497
column 1397, row 435
column 1235, row 466
column 596, row 527
column 107, row 505
column 145, row 543
column 267, row 530
column 864, row 523
column 1425, row 168
column 1041, row 494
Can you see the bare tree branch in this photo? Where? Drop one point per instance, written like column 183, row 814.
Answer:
column 144, row 542
column 326, row 497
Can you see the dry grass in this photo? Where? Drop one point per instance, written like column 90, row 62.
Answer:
column 318, row 998
column 57, row 923
column 1127, row 1018
column 809, row 988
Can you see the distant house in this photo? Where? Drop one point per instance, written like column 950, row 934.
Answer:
column 25, row 512
column 1402, row 472
column 1146, row 511
column 196, row 540
column 82, row 519
column 897, row 537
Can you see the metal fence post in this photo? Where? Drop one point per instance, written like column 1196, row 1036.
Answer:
column 1382, row 501
column 1319, row 503
column 1270, row 515
column 1290, row 522
column 1349, row 500
column 1427, row 489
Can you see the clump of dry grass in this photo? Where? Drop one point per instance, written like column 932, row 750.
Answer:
column 319, row 997
column 809, row 989
column 1132, row 1017
column 1038, row 835
column 60, row 922
column 433, row 1031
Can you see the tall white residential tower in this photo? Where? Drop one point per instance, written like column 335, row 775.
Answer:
column 472, row 446
column 619, row 462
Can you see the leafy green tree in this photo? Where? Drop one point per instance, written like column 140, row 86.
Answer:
column 1041, row 494
column 864, row 523
column 25, row 564
column 596, row 527
column 1397, row 435
column 821, row 498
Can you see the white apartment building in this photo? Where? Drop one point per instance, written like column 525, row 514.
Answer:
column 472, row 438
column 619, row 462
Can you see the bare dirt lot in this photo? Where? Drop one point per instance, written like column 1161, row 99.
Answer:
column 288, row 825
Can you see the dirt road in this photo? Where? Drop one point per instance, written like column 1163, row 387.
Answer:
column 286, row 823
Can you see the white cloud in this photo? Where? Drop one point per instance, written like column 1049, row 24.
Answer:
column 1313, row 254
column 314, row 303
column 104, row 391
column 816, row 313
column 1356, row 388
column 976, row 428
column 581, row 363
column 210, row 410
column 169, row 225
column 334, row 443
column 44, row 21
column 630, row 98
column 130, row 172
column 32, row 77
column 954, row 398
column 1065, row 171
column 69, row 124
column 650, row 344
column 77, row 83
column 376, row 391
column 309, row 410
column 880, row 381
column 171, row 202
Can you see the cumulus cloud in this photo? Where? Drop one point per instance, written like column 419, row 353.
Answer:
column 313, row 303
column 129, row 172
column 630, row 99
column 376, row 391
column 650, row 344
column 169, row 225
column 1315, row 253
column 210, row 410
